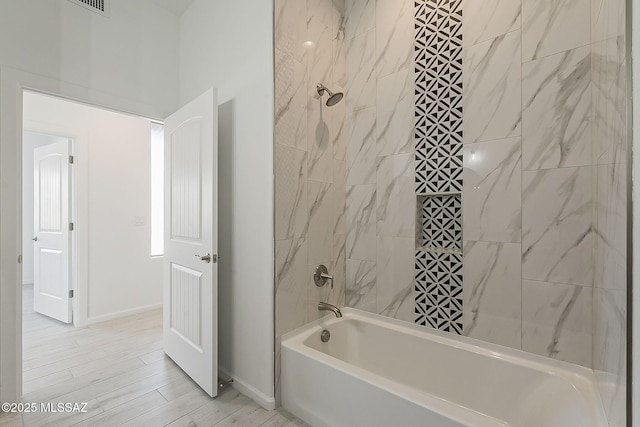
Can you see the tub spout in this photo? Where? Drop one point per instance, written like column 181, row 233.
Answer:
column 325, row 306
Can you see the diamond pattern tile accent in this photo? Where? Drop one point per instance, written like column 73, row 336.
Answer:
column 441, row 222
column 438, row 96
column 438, row 162
column 439, row 291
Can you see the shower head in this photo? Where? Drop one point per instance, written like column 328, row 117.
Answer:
column 333, row 99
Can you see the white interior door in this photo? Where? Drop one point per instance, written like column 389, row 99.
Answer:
column 190, row 323
column 52, row 236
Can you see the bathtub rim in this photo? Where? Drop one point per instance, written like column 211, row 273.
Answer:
column 580, row 377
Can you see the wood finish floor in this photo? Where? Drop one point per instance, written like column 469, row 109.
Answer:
column 119, row 369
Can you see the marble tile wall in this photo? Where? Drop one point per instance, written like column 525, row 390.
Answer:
column 545, row 158
column 380, row 198
column 310, row 168
column 609, row 154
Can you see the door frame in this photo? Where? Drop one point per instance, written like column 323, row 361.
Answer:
column 12, row 85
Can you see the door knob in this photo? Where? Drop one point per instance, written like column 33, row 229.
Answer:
column 206, row 257
column 35, row 239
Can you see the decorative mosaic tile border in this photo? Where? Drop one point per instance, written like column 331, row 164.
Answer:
column 438, row 136
column 439, row 290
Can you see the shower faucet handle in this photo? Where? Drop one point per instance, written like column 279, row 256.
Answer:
column 321, row 275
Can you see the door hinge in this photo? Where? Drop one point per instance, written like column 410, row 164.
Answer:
column 70, row 160
column 70, row 226
column 70, row 293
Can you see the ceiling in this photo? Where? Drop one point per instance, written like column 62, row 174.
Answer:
column 177, row 7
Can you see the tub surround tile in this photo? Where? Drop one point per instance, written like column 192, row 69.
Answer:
column 395, row 277
column 338, row 129
column 552, row 26
column 395, row 197
column 320, row 222
column 320, row 158
column 361, row 150
column 609, row 101
column 394, row 36
column 557, row 226
column 609, row 357
column 610, row 237
column 490, row 19
column 557, row 321
column 492, row 89
column 361, row 290
column 360, row 17
column 338, row 269
column 291, row 280
column 607, row 19
column 291, row 101
column 339, row 60
column 361, row 78
column 339, row 197
column 439, row 298
column 361, row 222
column 556, row 116
column 492, row 191
column 395, row 113
column 493, row 292
column 292, row 215
column 291, row 28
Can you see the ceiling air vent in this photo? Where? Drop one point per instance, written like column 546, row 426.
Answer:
column 97, row 6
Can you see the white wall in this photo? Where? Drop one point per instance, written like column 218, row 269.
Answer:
column 132, row 54
column 30, row 141
column 229, row 45
column 113, row 230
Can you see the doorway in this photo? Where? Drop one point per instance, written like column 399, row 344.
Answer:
column 113, row 270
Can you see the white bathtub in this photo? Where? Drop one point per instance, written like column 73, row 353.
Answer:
column 376, row 371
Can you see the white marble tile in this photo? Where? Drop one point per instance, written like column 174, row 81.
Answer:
column 395, row 113
column 360, row 17
column 492, row 288
column 610, row 237
column 320, row 60
column 361, row 289
column 610, row 351
column 320, row 222
column 291, row 27
column 361, row 222
column 339, row 197
column 487, row 19
column 492, row 191
column 291, row 101
column 338, row 269
column 556, row 114
column 394, row 35
column 492, row 89
column 557, row 237
column 395, row 277
column 339, row 66
column 291, row 281
column 607, row 19
column 338, row 128
column 395, row 196
column 361, row 77
column 552, row 26
column 361, row 147
column 557, row 321
column 292, row 211
column 609, row 101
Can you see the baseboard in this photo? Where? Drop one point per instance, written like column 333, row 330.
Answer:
column 124, row 313
column 268, row 403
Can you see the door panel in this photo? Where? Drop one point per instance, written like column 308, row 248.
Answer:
column 190, row 282
column 52, row 280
